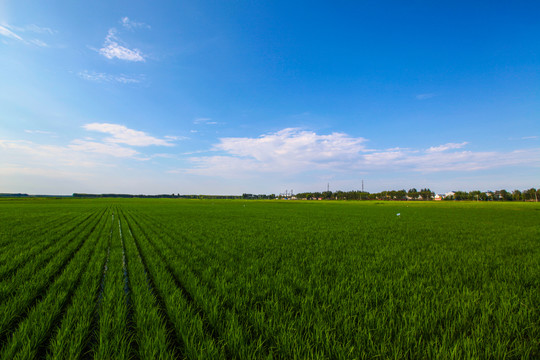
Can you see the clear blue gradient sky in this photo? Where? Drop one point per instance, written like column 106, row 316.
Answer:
column 262, row 96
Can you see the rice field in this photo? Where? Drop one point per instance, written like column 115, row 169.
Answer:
column 235, row 279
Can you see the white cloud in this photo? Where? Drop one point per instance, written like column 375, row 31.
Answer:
column 529, row 138
column 112, row 49
column 8, row 31
column 123, row 135
column 293, row 151
column 288, row 150
column 4, row 31
column 84, row 151
column 295, row 144
column 111, row 149
column 130, row 24
column 87, row 152
column 447, row 146
column 34, row 29
column 28, row 153
column 39, row 132
column 172, row 138
column 103, row 77
column 39, row 43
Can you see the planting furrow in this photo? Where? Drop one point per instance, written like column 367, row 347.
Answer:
column 176, row 346
column 74, row 333
column 93, row 339
column 30, row 292
column 45, row 246
column 22, row 235
column 28, row 269
column 189, row 327
column 252, row 303
column 36, row 328
column 113, row 338
column 239, row 299
column 238, row 336
column 151, row 334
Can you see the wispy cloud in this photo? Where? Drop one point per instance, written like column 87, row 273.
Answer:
column 28, row 153
column 445, row 147
column 294, row 151
column 10, row 31
column 112, row 49
column 130, row 24
column 39, row 132
column 39, row 43
column 123, row 135
column 4, row 31
column 110, row 149
column 424, row 96
column 175, row 138
column 33, row 28
column 85, row 152
column 206, row 121
column 103, row 77
column 529, row 138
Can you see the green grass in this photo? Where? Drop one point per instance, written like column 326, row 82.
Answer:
column 169, row 278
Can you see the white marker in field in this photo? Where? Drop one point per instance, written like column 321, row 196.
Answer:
column 398, row 214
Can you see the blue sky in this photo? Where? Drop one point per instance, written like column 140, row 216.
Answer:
column 262, row 96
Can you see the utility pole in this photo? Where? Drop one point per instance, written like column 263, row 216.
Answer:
column 362, row 185
column 328, row 187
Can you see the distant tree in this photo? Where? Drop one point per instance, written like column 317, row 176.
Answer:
column 427, row 194
column 327, row 195
column 459, row 195
column 503, row 195
column 339, row 195
column 477, row 195
column 413, row 193
column 400, row 194
column 530, row 194
column 384, row 195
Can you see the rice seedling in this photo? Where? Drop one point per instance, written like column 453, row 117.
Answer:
column 164, row 278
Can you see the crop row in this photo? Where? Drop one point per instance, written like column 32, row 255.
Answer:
column 230, row 281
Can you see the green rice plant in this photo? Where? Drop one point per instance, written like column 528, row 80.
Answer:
column 271, row 279
column 10, row 282
column 22, row 253
column 21, row 236
column 73, row 334
column 114, row 339
column 307, row 274
column 36, row 328
column 189, row 328
column 236, row 338
column 150, row 331
column 16, row 229
column 23, row 294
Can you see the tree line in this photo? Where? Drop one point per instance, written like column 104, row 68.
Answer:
column 423, row 194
